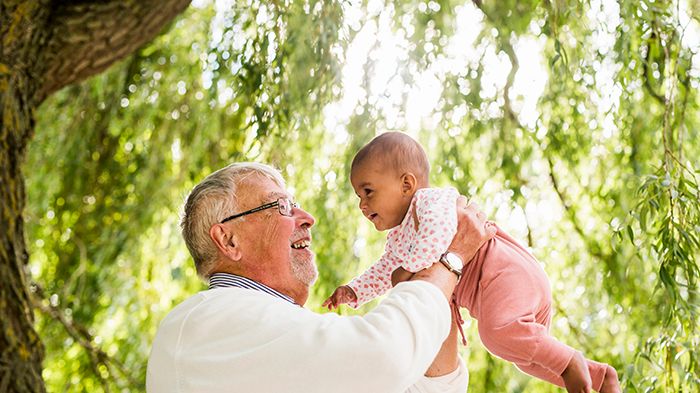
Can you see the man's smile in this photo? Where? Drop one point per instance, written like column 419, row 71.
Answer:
column 304, row 243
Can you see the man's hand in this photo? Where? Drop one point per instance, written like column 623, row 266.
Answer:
column 342, row 295
column 400, row 275
column 576, row 377
column 473, row 230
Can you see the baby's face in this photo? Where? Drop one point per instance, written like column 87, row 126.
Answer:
column 382, row 199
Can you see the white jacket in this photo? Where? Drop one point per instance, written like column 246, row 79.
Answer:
column 241, row 340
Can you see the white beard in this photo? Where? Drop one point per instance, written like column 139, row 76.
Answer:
column 304, row 269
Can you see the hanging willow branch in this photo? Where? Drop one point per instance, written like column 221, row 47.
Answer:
column 592, row 245
column 667, row 215
column 81, row 335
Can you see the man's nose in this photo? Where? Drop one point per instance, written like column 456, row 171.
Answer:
column 304, row 219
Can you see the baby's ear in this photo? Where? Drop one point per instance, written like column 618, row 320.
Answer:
column 408, row 183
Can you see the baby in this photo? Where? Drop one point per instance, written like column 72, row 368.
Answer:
column 503, row 287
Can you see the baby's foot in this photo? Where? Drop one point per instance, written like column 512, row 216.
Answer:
column 610, row 382
column 576, row 375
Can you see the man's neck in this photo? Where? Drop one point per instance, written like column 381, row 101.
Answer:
column 299, row 295
column 300, row 298
column 228, row 280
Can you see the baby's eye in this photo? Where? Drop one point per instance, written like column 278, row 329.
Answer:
column 368, row 191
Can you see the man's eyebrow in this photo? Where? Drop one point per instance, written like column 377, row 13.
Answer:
column 275, row 195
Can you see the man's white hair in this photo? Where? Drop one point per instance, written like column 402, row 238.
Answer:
column 212, row 200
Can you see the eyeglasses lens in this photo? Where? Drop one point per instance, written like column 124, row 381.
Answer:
column 285, row 206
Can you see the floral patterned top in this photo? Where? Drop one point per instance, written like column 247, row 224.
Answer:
column 411, row 248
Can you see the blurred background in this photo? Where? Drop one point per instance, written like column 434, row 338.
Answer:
column 574, row 125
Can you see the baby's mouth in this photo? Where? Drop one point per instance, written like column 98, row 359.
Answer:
column 372, row 216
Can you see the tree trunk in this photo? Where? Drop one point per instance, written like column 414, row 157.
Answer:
column 21, row 351
column 45, row 45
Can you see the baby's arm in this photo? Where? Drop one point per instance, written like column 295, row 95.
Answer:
column 437, row 225
column 342, row 295
column 375, row 281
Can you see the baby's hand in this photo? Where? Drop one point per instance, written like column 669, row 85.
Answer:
column 341, row 295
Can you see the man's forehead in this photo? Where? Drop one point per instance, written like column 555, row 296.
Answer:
column 261, row 189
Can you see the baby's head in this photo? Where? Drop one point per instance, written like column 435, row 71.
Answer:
column 385, row 174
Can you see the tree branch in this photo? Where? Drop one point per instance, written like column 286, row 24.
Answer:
column 87, row 37
column 514, row 67
column 569, row 211
column 645, row 72
column 591, row 244
column 81, row 336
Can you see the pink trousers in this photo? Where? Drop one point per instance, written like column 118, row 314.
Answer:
column 506, row 290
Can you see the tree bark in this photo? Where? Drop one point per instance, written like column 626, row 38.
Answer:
column 87, row 37
column 46, row 45
column 21, row 350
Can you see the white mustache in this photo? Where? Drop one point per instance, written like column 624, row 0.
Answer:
column 301, row 234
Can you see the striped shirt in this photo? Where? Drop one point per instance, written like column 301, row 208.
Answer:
column 227, row 280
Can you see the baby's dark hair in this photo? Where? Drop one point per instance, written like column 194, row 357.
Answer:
column 399, row 152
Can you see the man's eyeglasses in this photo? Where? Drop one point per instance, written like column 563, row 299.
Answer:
column 284, row 206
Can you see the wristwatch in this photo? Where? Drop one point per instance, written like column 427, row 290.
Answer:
column 452, row 262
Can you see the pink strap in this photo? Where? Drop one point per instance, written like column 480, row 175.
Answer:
column 458, row 317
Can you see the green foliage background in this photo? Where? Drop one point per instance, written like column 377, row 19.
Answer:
column 599, row 178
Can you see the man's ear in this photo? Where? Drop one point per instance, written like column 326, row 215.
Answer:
column 226, row 241
column 408, row 183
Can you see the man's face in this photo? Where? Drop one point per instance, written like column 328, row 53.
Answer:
column 276, row 248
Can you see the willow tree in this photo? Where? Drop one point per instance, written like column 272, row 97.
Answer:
column 593, row 165
column 106, row 259
column 610, row 142
column 47, row 45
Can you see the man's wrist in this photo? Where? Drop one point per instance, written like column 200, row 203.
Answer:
column 453, row 262
column 438, row 275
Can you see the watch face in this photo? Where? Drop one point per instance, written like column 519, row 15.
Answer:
column 454, row 261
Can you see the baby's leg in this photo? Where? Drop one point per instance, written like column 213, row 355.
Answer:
column 598, row 371
column 541, row 373
column 514, row 313
column 514, row 325
column 529, row 346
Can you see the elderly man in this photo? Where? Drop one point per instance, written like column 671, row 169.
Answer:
column 249, row 331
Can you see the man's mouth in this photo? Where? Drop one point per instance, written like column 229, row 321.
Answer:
column 301, row 244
